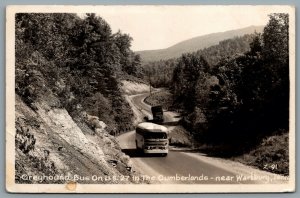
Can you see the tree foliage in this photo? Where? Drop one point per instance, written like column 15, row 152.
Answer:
column 160, row 73
column 77, row 60
column 243, row 96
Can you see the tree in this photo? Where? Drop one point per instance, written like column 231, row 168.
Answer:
column 276, row 38
column 244, row 96
column 80, row 52
column 185, row 77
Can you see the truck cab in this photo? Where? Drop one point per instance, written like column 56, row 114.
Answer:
column 158, row 115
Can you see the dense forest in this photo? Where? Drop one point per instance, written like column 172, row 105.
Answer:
column 160, row 73
column 238, row 99
column 74, row 63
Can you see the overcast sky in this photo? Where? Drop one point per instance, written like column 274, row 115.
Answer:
column 157, row 27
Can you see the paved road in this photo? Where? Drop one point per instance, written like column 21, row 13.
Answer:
column 187, row 166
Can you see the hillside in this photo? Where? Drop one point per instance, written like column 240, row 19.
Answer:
column 161, row 72
column 244, row 97
column 50, row 142
column 195, row 44
column 69, row 104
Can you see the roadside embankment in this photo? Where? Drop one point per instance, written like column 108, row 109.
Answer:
column 50, row 142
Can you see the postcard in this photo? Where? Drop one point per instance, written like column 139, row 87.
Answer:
column 150, row 99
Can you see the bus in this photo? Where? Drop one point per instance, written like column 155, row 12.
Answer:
column 152, row 138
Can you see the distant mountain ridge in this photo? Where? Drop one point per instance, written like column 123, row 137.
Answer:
column 194, row 44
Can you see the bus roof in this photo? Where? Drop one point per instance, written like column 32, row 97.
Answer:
column 152, row 126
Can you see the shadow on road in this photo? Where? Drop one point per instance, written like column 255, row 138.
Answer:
column 134, row 153
column 174, row 123
column 210, row 152
column 177, row 116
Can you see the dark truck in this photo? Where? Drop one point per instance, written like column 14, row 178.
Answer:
column 158, row 115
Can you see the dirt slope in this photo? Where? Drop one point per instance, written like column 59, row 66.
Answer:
column 49, row 142
column 131, row 88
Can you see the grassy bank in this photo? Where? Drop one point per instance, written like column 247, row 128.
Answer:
column 271, row 155
column 163, row 97
column 179, row 137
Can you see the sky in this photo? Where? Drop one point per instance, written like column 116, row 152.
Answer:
column 158, row 27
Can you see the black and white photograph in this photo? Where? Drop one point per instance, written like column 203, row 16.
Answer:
column 150, row 99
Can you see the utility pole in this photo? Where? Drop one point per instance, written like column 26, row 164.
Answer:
column 149, row 83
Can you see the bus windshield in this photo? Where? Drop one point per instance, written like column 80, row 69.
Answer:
column 155, row 135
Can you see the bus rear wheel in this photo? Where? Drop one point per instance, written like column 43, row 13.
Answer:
column 164, row 154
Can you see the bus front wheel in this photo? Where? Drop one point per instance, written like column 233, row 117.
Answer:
column 136, row 146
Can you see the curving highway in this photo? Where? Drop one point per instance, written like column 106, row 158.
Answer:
column 187, row 167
